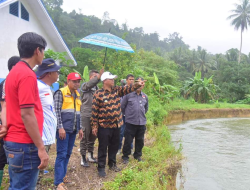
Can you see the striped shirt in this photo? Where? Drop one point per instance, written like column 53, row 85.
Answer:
column 50, row 121
column 106, row 106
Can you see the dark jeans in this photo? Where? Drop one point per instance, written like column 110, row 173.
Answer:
column 64, row 149
column 23, row 161
column 108, row 139
column 131, row 132
column 88, row 140
column 123, row 127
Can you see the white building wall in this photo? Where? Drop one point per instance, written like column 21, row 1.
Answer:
column 11, row 27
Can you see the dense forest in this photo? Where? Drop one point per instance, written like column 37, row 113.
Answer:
column 193, row 73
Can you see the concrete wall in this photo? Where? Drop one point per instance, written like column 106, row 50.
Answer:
column 11, row 27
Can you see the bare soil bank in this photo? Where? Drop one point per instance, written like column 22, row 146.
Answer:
column 179, row 116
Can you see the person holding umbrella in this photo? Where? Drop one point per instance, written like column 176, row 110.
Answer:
column 106, row 119
column 87, row 143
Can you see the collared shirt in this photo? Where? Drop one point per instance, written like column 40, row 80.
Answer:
column 50, row 121
column 135, row 107
column 21, row 92
column 58, row 99
column 106, row 107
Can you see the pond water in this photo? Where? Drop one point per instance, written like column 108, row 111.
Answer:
column 217, row 154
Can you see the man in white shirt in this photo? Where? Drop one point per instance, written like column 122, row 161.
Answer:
column 47, row 73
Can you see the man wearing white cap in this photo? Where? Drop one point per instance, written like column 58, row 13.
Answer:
column 106, row 119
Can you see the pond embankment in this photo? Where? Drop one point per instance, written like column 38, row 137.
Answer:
column 178, row 116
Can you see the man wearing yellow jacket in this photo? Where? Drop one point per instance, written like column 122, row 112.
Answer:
column 67, row 106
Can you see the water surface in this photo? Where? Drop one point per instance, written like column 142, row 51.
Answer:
column 217, row 154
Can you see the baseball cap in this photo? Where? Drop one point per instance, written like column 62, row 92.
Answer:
column 48, row 65
column 108, row 75
column 74, row 76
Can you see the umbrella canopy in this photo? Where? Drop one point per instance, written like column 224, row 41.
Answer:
column 107, row 40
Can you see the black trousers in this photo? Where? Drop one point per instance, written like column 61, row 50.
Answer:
column 3, row 159
column 108, row 138
column 131, row 132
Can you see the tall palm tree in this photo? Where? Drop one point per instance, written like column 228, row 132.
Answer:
column 203, row 62
column 241, row 18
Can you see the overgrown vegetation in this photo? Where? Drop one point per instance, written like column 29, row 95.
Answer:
column 178, row 78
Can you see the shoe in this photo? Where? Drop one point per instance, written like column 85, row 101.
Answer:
column 91, row 157
column 67, row 180
column 101, row 172
column 61, row 186
column 114, row 168
column 125, row 161
column 139, row 159
column 84, row 162
column 119, row 151
column 45, row 172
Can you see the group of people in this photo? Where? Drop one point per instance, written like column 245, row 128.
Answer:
column 33, row 117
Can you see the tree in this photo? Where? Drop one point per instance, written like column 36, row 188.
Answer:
column 202, row 90
column 203, row 62
column 241, row 19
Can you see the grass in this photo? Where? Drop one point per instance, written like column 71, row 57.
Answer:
column 152, row 172
column 181, row 104
column 160, row 155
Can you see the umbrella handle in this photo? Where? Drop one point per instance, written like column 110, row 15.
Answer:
column 105, row 56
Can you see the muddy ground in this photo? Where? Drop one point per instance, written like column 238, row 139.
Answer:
column 84, row 178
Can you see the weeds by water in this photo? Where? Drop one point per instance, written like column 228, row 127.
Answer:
column 182, row 104
column 152, row 173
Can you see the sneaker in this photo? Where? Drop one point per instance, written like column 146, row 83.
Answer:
column 45, row 172
column 67, row 180
column 101, row 172
column 61, row 186
column 125, row 161
column 119, row 151
column 91, row 157
column 115, row 168
column 84, row 162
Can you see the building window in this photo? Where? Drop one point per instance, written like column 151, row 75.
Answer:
column 14, row 7
column 24, row 13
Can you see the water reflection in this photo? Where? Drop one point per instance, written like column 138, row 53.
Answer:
column 217, row 153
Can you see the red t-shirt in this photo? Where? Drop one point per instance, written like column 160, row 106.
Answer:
column 21, row 92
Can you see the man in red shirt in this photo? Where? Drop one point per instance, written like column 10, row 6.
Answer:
column 23, row 145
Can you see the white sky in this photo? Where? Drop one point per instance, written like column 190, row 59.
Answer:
column 199, row 22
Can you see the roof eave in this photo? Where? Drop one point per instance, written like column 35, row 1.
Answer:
column 57, row 31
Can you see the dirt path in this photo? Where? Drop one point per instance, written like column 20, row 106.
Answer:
column 84, row 178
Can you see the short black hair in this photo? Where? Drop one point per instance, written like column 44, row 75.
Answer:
column 139, row 78
column 92, row 72
column 129, row 75
column 28, row 43
column 13, row 61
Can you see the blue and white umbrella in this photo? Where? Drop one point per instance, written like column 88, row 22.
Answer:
column 107, row 40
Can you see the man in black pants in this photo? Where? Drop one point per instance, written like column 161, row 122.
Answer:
column 134, row 107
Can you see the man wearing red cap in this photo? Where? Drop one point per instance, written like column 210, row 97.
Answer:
column 67, row 106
